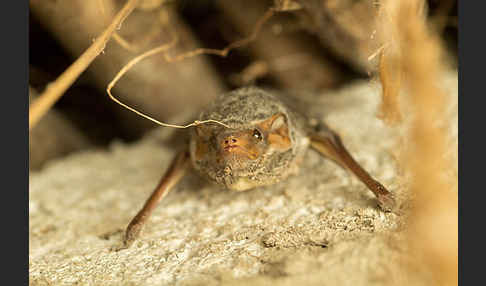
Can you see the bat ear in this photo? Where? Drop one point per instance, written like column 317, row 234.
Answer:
column 279, row 122
column 278, row 131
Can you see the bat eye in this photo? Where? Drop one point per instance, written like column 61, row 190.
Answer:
column 257, row 134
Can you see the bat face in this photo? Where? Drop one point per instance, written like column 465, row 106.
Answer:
column 258, row 148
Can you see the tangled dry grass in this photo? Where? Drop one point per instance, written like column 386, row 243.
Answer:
column 413, row 63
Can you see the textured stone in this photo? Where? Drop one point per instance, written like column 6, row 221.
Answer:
column 321, row 227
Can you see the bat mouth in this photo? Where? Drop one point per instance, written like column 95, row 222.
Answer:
column 230, row 148
column 238, row 151
column 238, row 146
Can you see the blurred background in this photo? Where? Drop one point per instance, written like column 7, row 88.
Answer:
column 308, row 45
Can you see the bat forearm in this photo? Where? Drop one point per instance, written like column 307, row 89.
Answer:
column 172, row 176
column 329, row 144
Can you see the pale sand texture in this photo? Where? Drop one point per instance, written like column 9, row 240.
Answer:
column 321, row 227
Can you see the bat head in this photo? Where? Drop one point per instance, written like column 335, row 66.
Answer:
column 256, row 147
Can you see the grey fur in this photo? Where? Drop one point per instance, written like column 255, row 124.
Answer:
column 242, row 109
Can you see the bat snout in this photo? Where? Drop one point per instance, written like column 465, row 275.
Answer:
column 237, row 145
column 230, row 142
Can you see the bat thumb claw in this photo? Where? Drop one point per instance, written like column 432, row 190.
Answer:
column 386, row 202
column 133, row 231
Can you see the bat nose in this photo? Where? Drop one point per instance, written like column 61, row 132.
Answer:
column 229, row 141
column 237, row 145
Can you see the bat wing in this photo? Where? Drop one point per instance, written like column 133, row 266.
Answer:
column 329, row 144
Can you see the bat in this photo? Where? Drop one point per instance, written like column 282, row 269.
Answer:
column 262, row 142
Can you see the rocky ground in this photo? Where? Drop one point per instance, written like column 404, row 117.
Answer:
column 321, row 227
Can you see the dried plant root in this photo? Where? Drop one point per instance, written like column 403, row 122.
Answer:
column 165, row 48
column 56, row 89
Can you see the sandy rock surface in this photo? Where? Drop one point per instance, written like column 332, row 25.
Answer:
column 321, row 227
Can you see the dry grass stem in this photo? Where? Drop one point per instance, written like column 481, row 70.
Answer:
column 164, row 49
column 224, row 52
column 433, row 223
column 390, row 78
column 134, row 61
column 119, row 39
column 57, row 88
